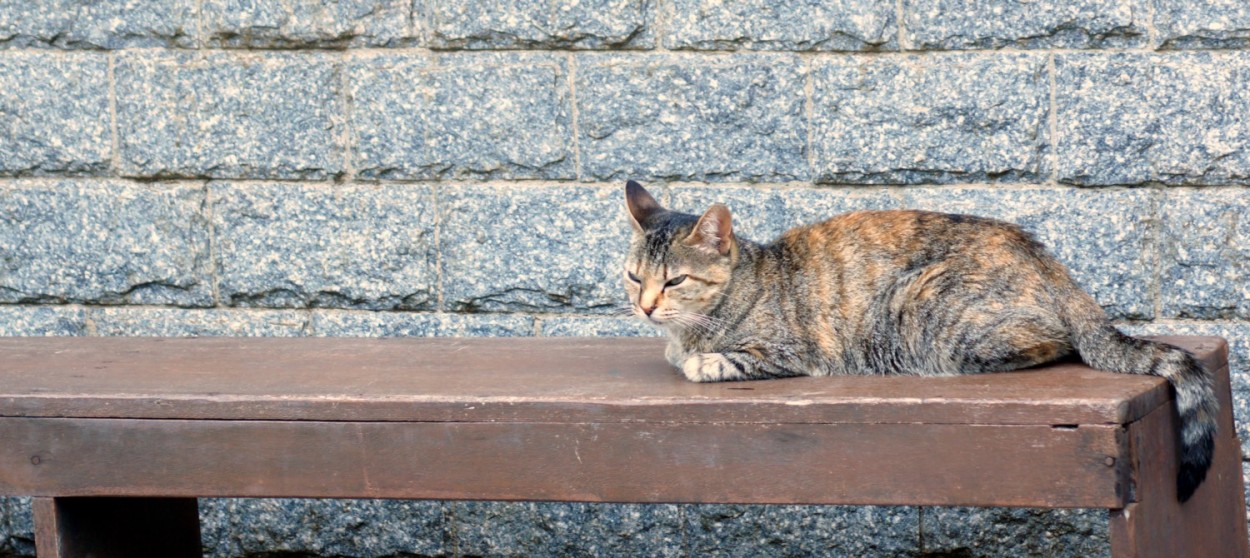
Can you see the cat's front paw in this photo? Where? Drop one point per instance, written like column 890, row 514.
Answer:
column 708, row 367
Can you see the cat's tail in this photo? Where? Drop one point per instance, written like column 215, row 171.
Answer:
column 1104, row 347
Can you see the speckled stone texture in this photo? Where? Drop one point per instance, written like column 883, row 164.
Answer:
column 563, row 529
column 484, row 24
column 310, row 528
column 95, row 24
column 308, row 23
column 996, row 532
column 462, row 116
column 53, row 113
column 1202, row 24
column 962, row 24
column 597, row 326
column 227, row 115
column 108, row 242
column 311, row 245
column 17, row 528
column 943, row 118
column 177, row 322
column 685, row 117
column 1206, row 254
column 761, row 214
column 532, row 248
column 405, row 168
column 1175, row 118
column 403, row 324
column 792, row 25
column 747, row 531
column 41, row 321
column 1103, row 237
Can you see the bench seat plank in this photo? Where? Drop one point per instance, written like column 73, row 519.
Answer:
column 95, row 427
column 519, row 380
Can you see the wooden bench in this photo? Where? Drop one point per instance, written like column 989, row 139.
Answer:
column 116, row 438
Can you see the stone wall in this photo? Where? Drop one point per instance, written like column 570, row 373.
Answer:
column 414, row 167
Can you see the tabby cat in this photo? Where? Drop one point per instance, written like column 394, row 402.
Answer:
column 884, row 292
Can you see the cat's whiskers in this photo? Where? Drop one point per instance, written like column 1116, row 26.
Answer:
column 678, row 318
column 666, row 317
column 699, row 322
column 623, row 310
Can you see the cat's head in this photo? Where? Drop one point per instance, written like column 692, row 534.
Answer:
column 678, row 264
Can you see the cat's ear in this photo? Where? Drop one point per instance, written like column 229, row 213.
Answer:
column 714, row 231
column 640, row 203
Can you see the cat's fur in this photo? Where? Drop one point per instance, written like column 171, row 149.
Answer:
column 884, row 292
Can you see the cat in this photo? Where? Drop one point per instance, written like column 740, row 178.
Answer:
column 884, row 292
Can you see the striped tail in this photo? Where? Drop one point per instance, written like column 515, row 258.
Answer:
column 1104, row 347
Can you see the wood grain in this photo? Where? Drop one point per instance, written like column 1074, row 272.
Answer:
column 518, row 380
column 591, row 462
column 1212, row 523
column 84, row 422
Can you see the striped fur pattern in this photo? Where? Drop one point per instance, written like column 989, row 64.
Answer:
column 884, row 292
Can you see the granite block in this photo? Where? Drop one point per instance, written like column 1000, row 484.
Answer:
column 475, row 115
column 54, row 114
column 1105, row 237
column 42, row 321
column 1202, row 24
column 597, row 326
column 567, row 529
column 790, row 25
column 933, row 118
column 763, row 213
column 332, row 323
column 978, row 24
column 103, row 242
column 215, row 322
column 229, row 115
column 687, row 117
column 312, row 528
column 551, row 24
column 1205, row 254
column 306, row 245
column 747, row 531
column 17, row 528
column 508, row 247
column 994, row 532
column 98, row 24
column 1134, row 118
column 308, row 23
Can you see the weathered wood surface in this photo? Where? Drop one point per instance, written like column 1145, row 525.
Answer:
column 519, row 380
column 1155, row 524
column 83, row 421
column 593, row 462
column 589, row 420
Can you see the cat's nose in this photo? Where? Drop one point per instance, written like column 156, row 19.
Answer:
column 647, row 310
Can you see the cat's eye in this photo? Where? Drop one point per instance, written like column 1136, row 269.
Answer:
column 632, row 277
column 675, row 281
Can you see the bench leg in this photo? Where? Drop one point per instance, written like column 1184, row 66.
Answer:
column 1212, row 523
column 117, row 527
